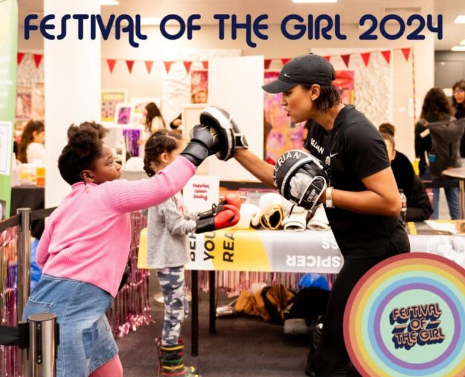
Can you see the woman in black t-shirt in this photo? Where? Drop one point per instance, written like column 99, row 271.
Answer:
column 362, row 204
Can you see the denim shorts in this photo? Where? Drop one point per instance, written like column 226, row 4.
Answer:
column 86, row 339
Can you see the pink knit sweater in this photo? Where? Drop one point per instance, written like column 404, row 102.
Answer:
column 87, row 238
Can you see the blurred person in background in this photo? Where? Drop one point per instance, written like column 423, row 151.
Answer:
column 31, row 148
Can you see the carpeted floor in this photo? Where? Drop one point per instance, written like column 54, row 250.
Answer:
column 241, row 347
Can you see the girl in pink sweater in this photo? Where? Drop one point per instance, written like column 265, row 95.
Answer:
column 85, row 246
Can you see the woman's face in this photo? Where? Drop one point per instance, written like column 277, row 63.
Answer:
column 39, row 137
column 298, row 104
column 459, row 95
column 106, row 168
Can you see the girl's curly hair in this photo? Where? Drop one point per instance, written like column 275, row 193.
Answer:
column 83, row 149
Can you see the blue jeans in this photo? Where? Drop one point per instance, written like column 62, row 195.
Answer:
column 452, row 196
column 86, row 340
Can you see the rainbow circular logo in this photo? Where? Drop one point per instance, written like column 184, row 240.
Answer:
column 406, row 317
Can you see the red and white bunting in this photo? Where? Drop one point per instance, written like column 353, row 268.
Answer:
column 406, row 53
column 366, row 58
column 346, row 59
column 387, row 56
column 148, row 65
column 37, row 59
column 111, row 64
column 20, row 57
column 267, row 63
column 130, row 64
column 168, row 66
column 187, row 65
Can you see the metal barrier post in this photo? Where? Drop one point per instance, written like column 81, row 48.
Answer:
column 43, row 335
column 24, row 260
column 24, row 275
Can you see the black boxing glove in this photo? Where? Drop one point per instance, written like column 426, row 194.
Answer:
column 300, row 178
column 230, row 137
column 203, row 143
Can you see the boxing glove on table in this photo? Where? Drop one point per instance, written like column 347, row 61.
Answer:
column 229, row 198
column 271, row 210
column 228, row 216
column 297, row 220
column 250, row 215
column 223, row 215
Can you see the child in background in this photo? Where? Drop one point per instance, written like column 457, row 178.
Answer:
column 85, row 245
column 31, row 147
column 168, row 251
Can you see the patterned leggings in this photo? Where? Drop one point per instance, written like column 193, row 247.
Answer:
column 176, row 304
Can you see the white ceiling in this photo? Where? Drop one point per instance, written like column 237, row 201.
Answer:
column 350, row 11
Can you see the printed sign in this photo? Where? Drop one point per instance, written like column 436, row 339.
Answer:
column 406, row 318
column 201, row 192
column 264, row 250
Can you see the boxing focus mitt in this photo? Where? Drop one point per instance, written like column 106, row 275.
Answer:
column 229, row 136
column 300, row 178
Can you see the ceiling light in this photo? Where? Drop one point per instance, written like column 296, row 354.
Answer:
column 458, row 48
column 108, row 2
column 314, row 1
column 460, row 19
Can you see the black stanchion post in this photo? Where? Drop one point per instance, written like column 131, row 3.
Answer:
column 212, row 289
column 23, row 275
column 195, row 313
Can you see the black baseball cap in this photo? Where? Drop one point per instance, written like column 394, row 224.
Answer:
column 307, row 69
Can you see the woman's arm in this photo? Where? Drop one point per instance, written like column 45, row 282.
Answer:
column 381, row 196
column 255, row 165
